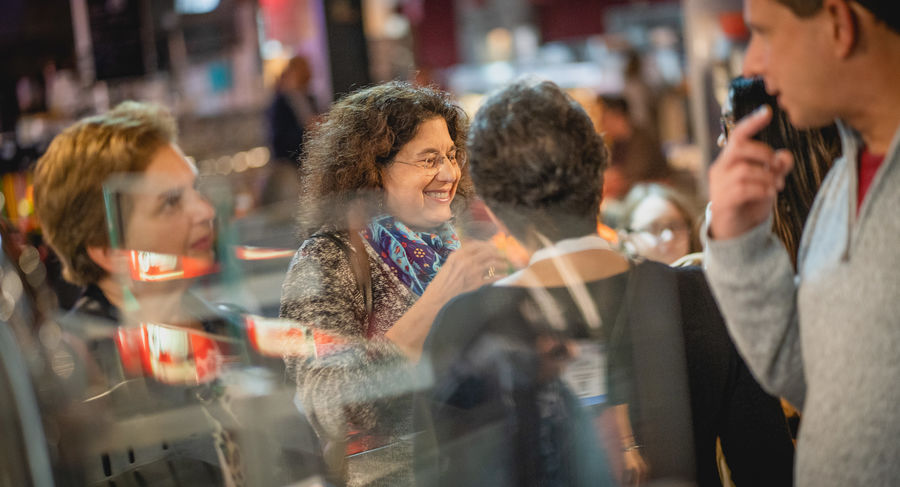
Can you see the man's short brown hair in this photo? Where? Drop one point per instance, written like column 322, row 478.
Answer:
column 69, row 177
column 883, row 10
column 802, row 8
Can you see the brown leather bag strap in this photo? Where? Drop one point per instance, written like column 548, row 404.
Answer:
column 359, row 257
column 359, row 263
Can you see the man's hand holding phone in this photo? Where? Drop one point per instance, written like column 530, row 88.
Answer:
column 745, row 178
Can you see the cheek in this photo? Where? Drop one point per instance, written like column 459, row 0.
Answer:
column 138, row 233
column 681, row 244
column 402, row 193
column 161, row 234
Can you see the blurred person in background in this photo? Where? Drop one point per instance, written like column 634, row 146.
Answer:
column 635, row 153
column 167, row 215
column 654, row 353
column 292, row 110
column 660, row 223
column 825, row 337
column 642, row 99
column 373, row 278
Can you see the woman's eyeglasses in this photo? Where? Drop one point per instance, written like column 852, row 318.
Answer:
column 432, row 164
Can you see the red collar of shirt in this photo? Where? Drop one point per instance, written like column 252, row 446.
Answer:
column 868, row 166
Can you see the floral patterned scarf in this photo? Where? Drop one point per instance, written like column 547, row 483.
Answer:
column 414, row 257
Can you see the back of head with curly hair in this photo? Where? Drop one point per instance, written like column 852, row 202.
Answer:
column 347, row 150
column 537, row 160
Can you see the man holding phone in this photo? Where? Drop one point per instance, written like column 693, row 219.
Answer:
column 827, row 339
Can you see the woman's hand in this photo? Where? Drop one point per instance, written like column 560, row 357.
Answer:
column 634, row 468
column 475, row 264
column 472, row 266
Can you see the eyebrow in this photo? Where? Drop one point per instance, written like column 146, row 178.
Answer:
column 432, row 150
column 169, row 192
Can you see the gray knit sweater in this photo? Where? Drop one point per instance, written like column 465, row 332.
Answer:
column 827, row 339
column 367, row 385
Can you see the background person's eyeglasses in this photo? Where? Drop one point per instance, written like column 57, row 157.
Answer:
column 663, row 232
column 432, row 163
column 726, row 124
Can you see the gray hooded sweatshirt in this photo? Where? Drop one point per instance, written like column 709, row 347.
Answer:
column 827, row 339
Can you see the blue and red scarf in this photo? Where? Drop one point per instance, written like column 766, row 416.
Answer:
column 414, row 257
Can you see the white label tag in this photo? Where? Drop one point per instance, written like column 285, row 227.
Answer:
column 586, row 373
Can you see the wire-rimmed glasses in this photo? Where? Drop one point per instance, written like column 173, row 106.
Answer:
column 433, row 161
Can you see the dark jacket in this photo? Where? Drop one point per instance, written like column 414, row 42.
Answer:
column 669, row 358
column 286, row 129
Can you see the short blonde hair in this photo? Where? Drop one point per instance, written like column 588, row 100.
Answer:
column 69, row 177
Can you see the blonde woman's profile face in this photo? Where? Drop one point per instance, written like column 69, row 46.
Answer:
column 168, row 214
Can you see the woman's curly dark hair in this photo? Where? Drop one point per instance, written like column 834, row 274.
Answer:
column 346, row 151
column 537, row 160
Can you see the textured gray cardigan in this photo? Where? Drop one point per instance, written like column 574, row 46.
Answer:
column 367, row 386
column 828, row 339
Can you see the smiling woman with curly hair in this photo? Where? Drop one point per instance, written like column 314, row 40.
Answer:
column 348, row 151
column 393, row 157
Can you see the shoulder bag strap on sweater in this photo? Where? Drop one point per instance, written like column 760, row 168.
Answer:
column 359, row 262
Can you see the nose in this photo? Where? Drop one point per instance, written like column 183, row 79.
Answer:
column 202, row 211
column 754, row 60
column 448, row 171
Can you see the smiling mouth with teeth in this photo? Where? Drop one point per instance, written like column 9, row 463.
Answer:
column 439, row 195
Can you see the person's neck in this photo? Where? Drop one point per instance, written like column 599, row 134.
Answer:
column 419, row 229
column 113, row 291
column 161, row 304
column 875, row 113
column 878, row 123
column 878, row 131
column 590, row 264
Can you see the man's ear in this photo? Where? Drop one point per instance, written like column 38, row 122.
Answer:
column 104, row 257
column 844, row 26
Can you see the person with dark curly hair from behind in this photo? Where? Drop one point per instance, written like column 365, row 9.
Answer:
column 652, row 361
column 372, row 278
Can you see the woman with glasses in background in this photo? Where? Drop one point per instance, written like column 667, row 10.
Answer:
column 383, row 176
column 660, row 223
